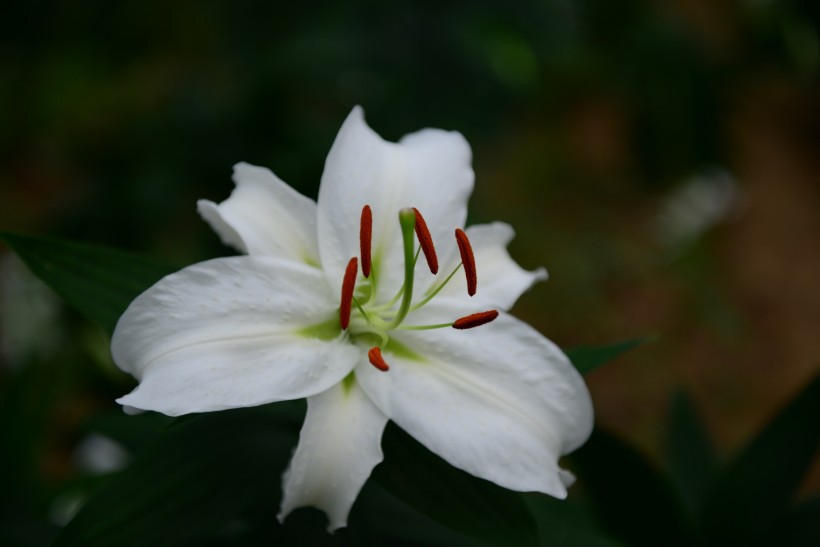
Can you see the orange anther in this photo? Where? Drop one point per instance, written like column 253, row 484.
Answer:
column 426, row 242
column 365, row 238
column 376, row 359
column 348, row 284
column 468, row 260
column 475, row 320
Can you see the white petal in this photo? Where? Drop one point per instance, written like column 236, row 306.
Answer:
column 566, row 477
column 264, row 216
column 226, row 333
column 500, row 280
column 339, row 446
column 500, row 401
column 429, row 170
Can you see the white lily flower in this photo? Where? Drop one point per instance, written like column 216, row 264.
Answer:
column 298, row 317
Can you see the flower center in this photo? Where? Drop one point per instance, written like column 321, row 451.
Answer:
column 359, row 313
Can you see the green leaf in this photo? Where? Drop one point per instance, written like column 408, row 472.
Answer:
column 133, row 432
column 800, row 528
column 588, row 358
column 691, row 458
column 379, row 518
column 630, row 497
column 214, row 479
column 565, row 523
column 757, row 488
column 190, row 485
column 98, row 281
column 470, row 505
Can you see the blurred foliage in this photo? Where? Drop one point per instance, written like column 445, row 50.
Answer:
column 118, row 116
column 124, row 113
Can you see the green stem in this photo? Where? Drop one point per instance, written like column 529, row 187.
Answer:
column 425, row 327
column 436, row 290
column 376, row 332
column 361, row 310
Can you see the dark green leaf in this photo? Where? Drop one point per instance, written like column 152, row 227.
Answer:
column 379, row 518
column 630, row 497
column 800, row 528
column 132, row 432
column 473, row 506
column 98, row 281
column 195, row 481
column 214, row 480
column 588, row 358
column 565, row 523
column 756, row 489
column 690, row 454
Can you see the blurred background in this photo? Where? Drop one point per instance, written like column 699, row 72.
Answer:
column 661, row 159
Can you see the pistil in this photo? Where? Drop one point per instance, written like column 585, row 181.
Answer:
column 407, row 221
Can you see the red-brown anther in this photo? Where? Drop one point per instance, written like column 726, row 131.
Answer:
column 468, row 260
column 348, row 284
column 365, row 238
column 426, row 242
column 376, row 359
column 475, row 320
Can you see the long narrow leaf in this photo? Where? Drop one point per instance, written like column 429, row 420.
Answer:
column 214, row 479
column 631, row 498
column 98, row 281
column 588, row 358
column 565, row 523
column 691, row 458
column 800, row 528
column 193, row 482
column 757, row 488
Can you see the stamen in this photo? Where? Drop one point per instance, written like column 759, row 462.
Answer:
column 475, row 320
column 468, row 260
column 348, row 284
column 426, row 242
column 365, row 239
column 376, row 359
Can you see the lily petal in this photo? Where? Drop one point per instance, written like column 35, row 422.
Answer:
column 231, row 332
column 339, row 445
column 500, row 280
column 429, row 170
column 264, row 216
column 500, row 402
